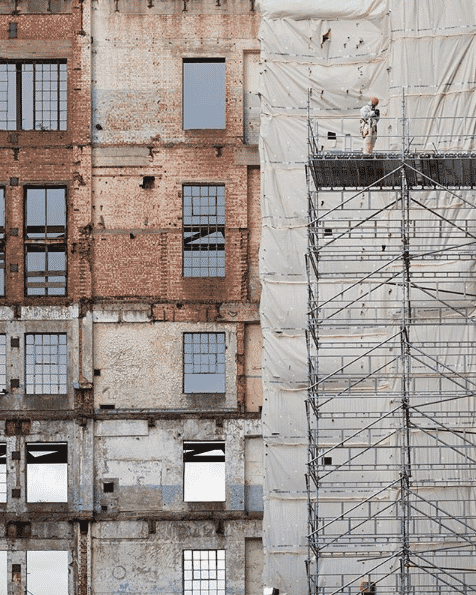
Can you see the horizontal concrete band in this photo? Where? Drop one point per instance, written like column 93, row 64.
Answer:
column 20, row 49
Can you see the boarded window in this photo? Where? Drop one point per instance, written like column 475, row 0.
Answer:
column 47, row 472
column 46, row 364
column 3, row 474
column 204, row 93
column 204, row 471
column 204, row 362
column 33, row 95
column 45, row 241
column 47, row 573
column 204, row 231
column 204, row 572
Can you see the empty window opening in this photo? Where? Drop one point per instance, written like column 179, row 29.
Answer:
column 47, row 572
column 107, row 407
column 33, row 95
column 204, row 572
column 204, row 93
column 3, row 472
column 12, row 30
column 204, row 471
column 3, row 573
column 331, row 136
column 45, row 239
column 108, row 487
column 203, row 231
column 327, row 460
column 204, row 362
column 46, row 362
column 47, row 472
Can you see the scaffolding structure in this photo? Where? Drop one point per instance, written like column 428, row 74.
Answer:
column 392, row 369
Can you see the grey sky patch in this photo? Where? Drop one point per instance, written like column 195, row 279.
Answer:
column 204, row 472
column 47, row 572
column 204, row 93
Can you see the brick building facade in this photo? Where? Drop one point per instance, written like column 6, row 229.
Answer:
column 130, row 345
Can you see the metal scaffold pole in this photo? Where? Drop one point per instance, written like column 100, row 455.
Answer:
column 391, row 338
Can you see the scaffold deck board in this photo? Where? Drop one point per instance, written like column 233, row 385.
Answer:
column 383, row 170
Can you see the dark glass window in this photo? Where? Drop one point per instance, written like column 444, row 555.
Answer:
column 203, row 231
column 45, row 240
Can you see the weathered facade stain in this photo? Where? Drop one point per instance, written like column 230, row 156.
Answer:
column 123, row 160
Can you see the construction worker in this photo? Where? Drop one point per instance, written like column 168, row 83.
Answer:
column 369, row 116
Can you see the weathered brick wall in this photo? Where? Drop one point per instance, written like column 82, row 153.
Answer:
column 50, row 157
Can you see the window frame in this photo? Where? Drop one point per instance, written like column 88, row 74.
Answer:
column 203, row 229
column 34, row 384
column 185, row 90
column 46, row 244
column 184, row 363
column 200, row 591
column 60, row 124
column 3, row 455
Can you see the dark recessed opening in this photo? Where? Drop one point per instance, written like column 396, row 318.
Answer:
column 108, row 487
column 83, row 527
column 331, row 136
column 147, row 182
column 327, row 460
column 327, row 231
column 16, row 567
column 97, row 372
column 104, row 508
column 12, row 30
column 107, row 406
column 15, row 342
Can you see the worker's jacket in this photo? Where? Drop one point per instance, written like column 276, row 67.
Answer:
column 369, row 115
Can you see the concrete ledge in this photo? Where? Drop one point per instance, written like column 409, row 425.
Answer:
column 247, row 155
column 50, row 312
column 127, row 156
column 31, row 49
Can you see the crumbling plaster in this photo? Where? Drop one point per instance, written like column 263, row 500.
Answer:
column 142, row 365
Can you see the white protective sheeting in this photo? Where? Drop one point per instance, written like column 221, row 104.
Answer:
column 345, row 51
